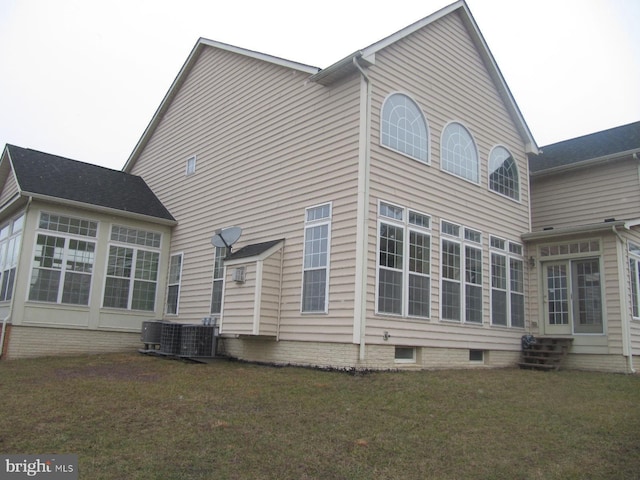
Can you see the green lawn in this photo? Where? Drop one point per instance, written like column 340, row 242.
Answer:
column 131, row 416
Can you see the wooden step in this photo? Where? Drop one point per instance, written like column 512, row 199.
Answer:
column 546, row 354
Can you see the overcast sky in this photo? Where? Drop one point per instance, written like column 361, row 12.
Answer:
column 82, row 78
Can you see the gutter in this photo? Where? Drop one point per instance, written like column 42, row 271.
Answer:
column 362, row 224
column 627, row 349
column 584, row 163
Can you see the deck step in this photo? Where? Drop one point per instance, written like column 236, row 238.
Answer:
column 546, row 353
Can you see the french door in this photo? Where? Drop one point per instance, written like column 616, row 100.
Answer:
column 573, row 297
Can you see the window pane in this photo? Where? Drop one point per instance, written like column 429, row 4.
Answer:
column 450, row 300
column 314, row 290
column 473, row 267
column 503, row 173
column 419, row 220
column 419, row 295
column 316, row 244
column 76, row 288
column 633, row 269
column 172, row 300
column 459, row 155
column 175, row 265
column 473, row 301
column 419, row 253
column 49, row 252
column 120, row 262
column 391, row 246
column 498, row 271
column 498, row 307
column 216, row 296
column 144, row 295
column 116, row 292
column 517, row 275
column 404, row 128
column 517, row 310
column 391, row 211
column 587, row 279
column 450, row 260
column 390, row 291
column 318, row 213
column 44, row 285
column 147, row 265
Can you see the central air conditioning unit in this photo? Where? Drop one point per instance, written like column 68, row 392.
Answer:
column 151, row 334
column 198, row 341
column 170, row 338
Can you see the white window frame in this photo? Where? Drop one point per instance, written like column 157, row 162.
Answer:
column 474, row 149
column 504, row 248
column 218, row 268
column 492, row 160
column 10, row 244
column 634, row 278
column 67, row 232
column 403, row 221
column 138, row 245
column 462, row 240
column 190, row 166
column 177, row 283
column 420, row 125
column 311, row 224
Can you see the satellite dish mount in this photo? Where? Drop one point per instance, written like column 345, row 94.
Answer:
column 226, row 237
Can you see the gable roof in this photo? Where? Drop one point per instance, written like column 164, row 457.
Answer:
column 50, row 177
column 348, row 65
column 584, row 150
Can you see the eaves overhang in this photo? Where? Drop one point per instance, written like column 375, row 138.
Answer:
column 593, row 228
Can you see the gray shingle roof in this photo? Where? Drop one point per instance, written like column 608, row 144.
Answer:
column 53, row 176
column 253, row 250
column 588, row 147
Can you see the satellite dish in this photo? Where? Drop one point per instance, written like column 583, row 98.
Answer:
column 225, row 237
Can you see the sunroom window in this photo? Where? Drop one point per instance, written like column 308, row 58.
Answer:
column 404, row 128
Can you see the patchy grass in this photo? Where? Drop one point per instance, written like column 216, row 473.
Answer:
column 139, row 417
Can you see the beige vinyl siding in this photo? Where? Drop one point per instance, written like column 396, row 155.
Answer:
column 239, row 307
column 587, row 195
column 440, row 69
column 270, row 295
column 268, row 144
column 9, row 189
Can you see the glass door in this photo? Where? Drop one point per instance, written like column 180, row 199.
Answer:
column 573, row 297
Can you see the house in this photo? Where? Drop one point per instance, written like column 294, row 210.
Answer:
column 376, row 197
column 70, row 236
column 585, row 247
column 384, row 204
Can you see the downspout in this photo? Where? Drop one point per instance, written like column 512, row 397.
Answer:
column 627, row 350
column 362, row 224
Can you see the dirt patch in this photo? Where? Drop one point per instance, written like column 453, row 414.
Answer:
column 109, row 372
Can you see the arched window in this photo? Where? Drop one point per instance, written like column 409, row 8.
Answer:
column 404, row 128
column 503, row 173
column 459, row 154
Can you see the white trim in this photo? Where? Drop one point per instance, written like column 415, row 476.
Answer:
column 257, row 299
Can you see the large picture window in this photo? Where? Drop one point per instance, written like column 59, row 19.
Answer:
column 404, row 262
column 132, row 269
column 404, row 128
column 507, row 283
column 63, row 261
column 461, row 271
column 10, row 237
column 459, row 154
column 315, row 276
